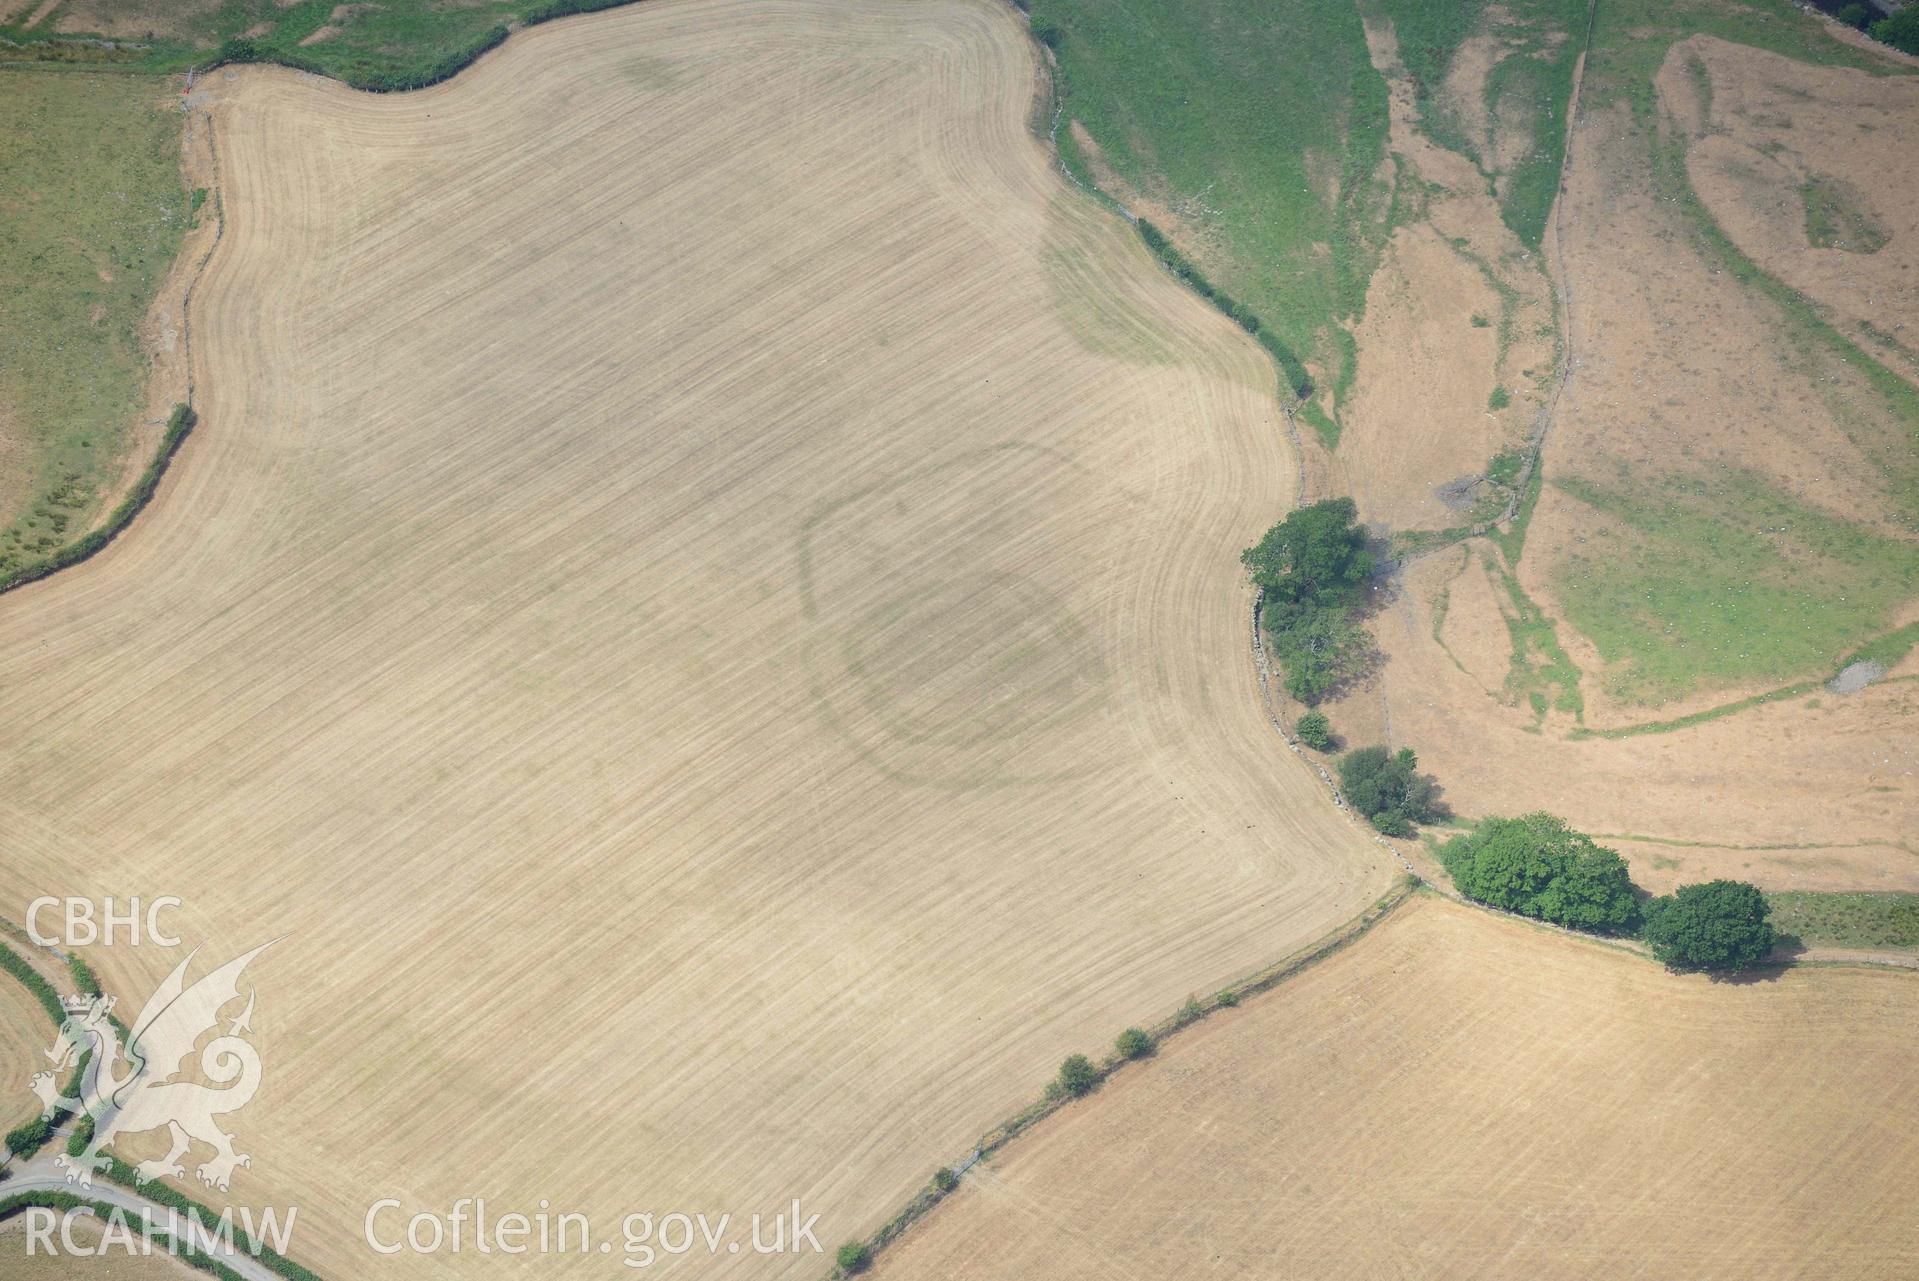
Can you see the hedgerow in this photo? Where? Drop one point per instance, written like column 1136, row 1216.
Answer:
column 178, row 425
column 63, row 1201
column 1182, row 266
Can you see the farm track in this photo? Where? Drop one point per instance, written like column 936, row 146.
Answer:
column 584, row 616
column 40, row 1175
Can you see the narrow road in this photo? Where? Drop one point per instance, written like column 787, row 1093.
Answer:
column 39, row 1174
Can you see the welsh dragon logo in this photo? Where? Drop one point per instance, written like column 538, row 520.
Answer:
column 129, row 1089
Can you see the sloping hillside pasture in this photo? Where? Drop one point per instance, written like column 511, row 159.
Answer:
column 703, row 604
column 1725, row 517
column 1460, row 1095
column 91, row 219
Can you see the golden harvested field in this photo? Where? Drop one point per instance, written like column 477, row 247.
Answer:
column 1462, row 1095
column 704, row 603
column 114, row 1265
column 25, row 1031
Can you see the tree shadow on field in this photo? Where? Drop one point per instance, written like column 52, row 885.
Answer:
column 1783, row 957
column 1367, row 616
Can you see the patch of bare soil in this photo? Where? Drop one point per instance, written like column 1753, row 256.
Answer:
column 1464, row 93
column 1418, row 411
column 1453, row 314
column 133, row 19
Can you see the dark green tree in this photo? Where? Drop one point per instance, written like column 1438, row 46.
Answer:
column 1720, row 925
column 1077, row 1075
column 1539, row 867
column 1134, row 1044
column 1388, row 789
column 853, row 1258
column 1311, row 570
column 1317, row 648
column 1316, row 556
column 1901, row 30
column 1315, row 731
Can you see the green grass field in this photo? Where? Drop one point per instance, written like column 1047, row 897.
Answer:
column 1726, row 580
column 91, row 216
column 1887, row 920
column 1722, row 579
column 392, row 45
column 1261, row 126
column 1526, row 92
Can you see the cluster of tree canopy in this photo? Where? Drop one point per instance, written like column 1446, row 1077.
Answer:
column 1900, row 29
column 1311, row 570
column 1539, row 867
column 1389, row 790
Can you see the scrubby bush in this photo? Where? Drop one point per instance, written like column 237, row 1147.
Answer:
column 1077, row 1075
column 238, row 49
column 1853, row 15
column 1311, row 570
column 1315, row 731
column 83, row 976
column 944, row 1180
column 178, row 425
column 1389, row 790
column 1539, row 867
column 1228, row 998
column 1134, row 1044
column 1720, row 925
column 853, row 1257
column 29, row 1136
column 1503, row 469
column 1901, row 30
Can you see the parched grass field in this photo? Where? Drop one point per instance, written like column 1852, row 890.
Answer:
column 703, row 603
column 1462, row 1095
